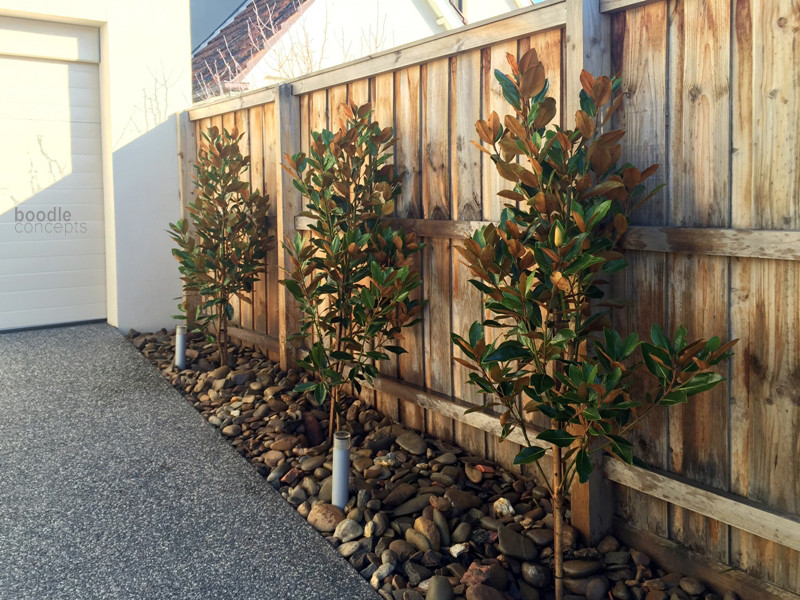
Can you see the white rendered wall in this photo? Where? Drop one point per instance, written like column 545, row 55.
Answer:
column 331, row 32
column 145, row 79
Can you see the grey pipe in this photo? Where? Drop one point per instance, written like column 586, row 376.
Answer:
column 341, row 469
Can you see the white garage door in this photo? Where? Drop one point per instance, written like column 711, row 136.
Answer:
column 52, row 254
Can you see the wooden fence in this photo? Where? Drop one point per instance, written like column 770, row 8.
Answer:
column 713, row 96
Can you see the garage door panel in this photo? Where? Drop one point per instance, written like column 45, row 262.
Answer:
column 52, row 247
column 57, row 280
column 49, row 264
column 52, row 315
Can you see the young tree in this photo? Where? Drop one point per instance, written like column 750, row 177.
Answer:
column 541, row 270
column 221, row 252
column 352, row 277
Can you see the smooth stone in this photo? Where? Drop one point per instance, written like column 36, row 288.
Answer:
column 325, row 517
column 462, row 501
column 608, row 544
column 428, row 528
column 518, row 546
column 656, row 595
column 348, row 548
column 617, row 558
column 528, row 592
column 401, row 493
column 473, row 474
column 448, row 458
column 502, row 508
column 412, row 506
column 416, row 573
column 412, row 442
column 620, row 591
column 536, row 575
column 597, row 589
column 439, row 588
column 441, row 525
column 461, row 533
column 326, row 490
column 347, row 530
column 418, row 540
column 380, row 574
column 231, row 430
column 581, row 568
column 402, row 549
column 692, row 586
column 310, row 463
column 483, row 592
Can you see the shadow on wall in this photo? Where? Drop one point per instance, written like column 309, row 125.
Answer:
column 52, row 246
column 142, row 214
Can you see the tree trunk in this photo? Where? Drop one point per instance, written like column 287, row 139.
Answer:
column 558, row 522
column 332, row 415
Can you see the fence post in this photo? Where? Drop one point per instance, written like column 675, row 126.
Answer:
column 187, row 155
column 287, row 121
column 588, row 44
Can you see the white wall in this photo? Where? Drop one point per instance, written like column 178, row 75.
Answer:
column 145, row 72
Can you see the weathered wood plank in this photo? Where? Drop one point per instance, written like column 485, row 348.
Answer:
column 245, row 301
column 465, row 168
column 699, row 188
column 638, row 50
column 188, row 135
column 754, row 517
column 287, row 115
column 271, row 174
column 610, row 6
column 437, row 287
column 261, row 341
column 711, row 241
column 766, row 183
column 408, row 155
column 540, row 17
column 588, row 38
column 721, row 577
column 240, row 102
column 337, row 95
column 358, row 91
column 256, row 121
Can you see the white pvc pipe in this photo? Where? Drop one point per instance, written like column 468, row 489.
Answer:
column 180, row 347
column 341, row 469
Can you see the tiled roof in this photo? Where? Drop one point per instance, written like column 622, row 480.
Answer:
column 217, row 64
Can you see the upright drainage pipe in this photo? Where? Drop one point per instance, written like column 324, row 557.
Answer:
column 180, row 347
column 341, row 469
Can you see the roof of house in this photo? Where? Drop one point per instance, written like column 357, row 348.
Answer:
column 218, row 62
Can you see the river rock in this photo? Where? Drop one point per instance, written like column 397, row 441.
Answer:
column 515, row 545
column 536, row 575
column 412, row 442
column 461, row 533
column 428, row 528
column 439, row 588
column 412, row 506
column 418, row 540
column 462, row 501
column 231, row 430
column 347, row 530
column 325, row 517
column 581, row 568
column 692, row 586
column 401, row 493
column 416, row 573
column 483, row 592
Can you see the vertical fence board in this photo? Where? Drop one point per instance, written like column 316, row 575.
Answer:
column 638, row 50
column 382, row 94
column 271, row 173
column 256, row 132
column 436, row 205
column 409, row 135
column 465, row 166
column 337, row 96
column 358, row 91
column 765, row 404
column 699, row 190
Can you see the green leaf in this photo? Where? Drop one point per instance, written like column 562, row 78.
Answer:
column 701, row 383
column 583, row 465
column 476, row 333
column 395, row 349
column 591, row 413
column 529, row 455
column 557, row 437
column 509, row 350
column 319, row 394
column 658, row 337
column 674, row 397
